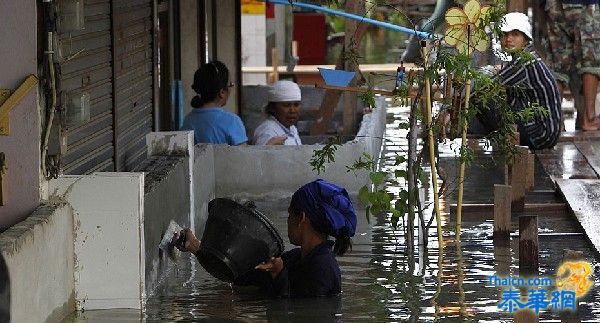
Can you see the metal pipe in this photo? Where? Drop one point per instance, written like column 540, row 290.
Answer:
column 52, row 77
column 327, row 10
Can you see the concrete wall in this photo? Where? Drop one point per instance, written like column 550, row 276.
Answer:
column 168, row 195
column 4, row 291
column 265, row 170
column 204, row 183
column 39, row 255
column 166, row 200
column 109, row 246
column 22, row 146
column 189, row 48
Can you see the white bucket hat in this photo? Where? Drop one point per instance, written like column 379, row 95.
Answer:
column 516, row 21
column 284, row 91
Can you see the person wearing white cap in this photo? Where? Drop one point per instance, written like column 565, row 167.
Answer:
column 514, row 26
column 528, row 82
column 283, row 112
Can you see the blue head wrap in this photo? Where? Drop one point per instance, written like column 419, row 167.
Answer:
column 328, row 207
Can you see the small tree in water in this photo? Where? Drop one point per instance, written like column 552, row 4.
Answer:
column 459, row 74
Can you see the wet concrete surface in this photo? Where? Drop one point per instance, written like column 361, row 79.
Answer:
column 380, row 281
column 565, row 161
column 583, row 196
column 591, row 151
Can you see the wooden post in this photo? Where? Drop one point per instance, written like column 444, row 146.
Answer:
column 528, row 244
column 332, row 97
column 518, row 178
column 572, row 255
column 275, row 65
column 295, row 48
column 530, row 179
column 350, row 99
column 517, row 5
column 569, row 316
column 349, row 114
column 502, row 258
column 526, row 316
column 502, row 211
column 516, row 137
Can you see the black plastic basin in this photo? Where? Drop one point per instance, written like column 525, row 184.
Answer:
column 236, row 239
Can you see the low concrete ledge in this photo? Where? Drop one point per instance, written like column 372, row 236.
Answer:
column 204, row 183
column 166, row 198
column 39, row 256
column 108, row 236
column 256, row 171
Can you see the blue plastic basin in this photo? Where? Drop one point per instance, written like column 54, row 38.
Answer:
column 336, row 77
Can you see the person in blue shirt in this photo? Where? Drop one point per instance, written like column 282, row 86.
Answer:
column 210, row 123
column 317, row 210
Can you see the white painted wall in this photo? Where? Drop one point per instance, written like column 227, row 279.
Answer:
column 254, row 47
column 22, row 146
column 166, row 201
column 204, row 184
column 171, row 199
column 278, row 170
column 39, row 257
column 108, row 225
column 178, row 143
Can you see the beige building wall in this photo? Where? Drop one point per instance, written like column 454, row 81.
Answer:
column 227, row 43
column 189, row 49
column 22, row 147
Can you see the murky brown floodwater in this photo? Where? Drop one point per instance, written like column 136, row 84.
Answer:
column 379, row 282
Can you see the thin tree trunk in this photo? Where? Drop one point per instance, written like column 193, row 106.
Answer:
column 352, row 39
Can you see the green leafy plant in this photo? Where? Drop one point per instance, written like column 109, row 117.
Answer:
column 408, row 171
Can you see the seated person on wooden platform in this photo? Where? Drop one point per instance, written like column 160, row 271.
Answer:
column 283, row 112
column 529, row 82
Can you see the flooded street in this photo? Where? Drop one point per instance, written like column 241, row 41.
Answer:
column 379, row 282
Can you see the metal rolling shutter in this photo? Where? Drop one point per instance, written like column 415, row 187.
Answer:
column 132, row 37
column 85, row 66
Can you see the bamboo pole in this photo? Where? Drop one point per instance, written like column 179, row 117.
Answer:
column 275, row 65
column 461, row 174
column 436, row 199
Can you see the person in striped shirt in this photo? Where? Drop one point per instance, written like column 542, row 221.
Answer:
column 529, row 83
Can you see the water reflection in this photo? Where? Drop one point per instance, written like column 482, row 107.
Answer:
column 380, row 282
